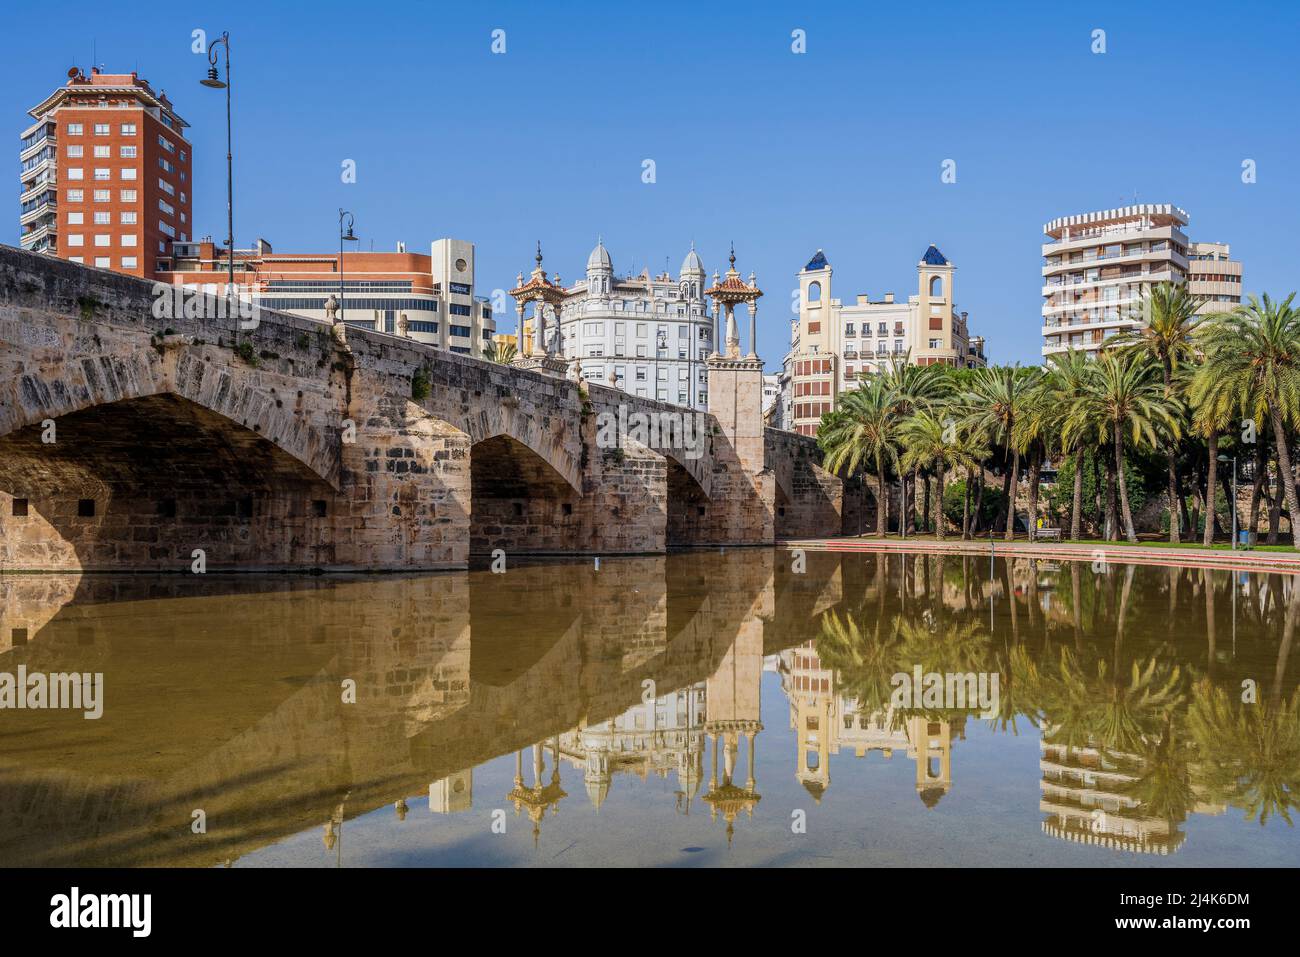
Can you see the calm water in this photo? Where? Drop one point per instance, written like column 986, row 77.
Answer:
column 703, row 708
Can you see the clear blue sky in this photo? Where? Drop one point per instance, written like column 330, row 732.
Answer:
column 838, row 148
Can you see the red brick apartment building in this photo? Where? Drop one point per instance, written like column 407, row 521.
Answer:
column 106, row 174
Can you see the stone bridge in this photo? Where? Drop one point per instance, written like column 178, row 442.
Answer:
column 128, row 442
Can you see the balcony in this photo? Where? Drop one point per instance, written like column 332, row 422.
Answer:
column 1106, row 235
column 1145, row 276
column 32, row 240
column 34, row 147
column 37, row 212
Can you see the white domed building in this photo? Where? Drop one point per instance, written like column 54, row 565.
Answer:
column 650, row 333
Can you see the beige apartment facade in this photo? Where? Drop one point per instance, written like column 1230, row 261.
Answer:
column 1098, row 267
column 832, row 344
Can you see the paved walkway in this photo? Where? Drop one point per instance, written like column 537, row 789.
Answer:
column 1284, row 562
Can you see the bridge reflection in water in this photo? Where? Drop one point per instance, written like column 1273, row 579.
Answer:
column 704, row 706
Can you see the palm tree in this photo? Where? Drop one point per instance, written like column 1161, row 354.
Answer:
column 1065, row 379
column 1036, row 432
column 992, row 403
column 503, row 352
column 1169, row 323
column 1215, row 404
column 1256, row 351
column 1124, row 394
column 864, row 429
column 935, row 444
column 915, row 387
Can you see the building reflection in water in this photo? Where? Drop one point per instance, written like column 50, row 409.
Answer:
column 648, row 670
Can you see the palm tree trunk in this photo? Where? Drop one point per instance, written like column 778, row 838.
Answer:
column 976, row 515
column 1110, row 531
column 1035, row 472
column 1257, row 489
column 1129, row 533
column 1284, row 466
column 1098, row 505
column 965, row 506
column 1175, row 500
column 926, row 509
column 1076, row 506
column 882, row 502
column 938, row 501
column 1211, row 482
column 1010, row 533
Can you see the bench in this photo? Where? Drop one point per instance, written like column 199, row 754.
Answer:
column 1048, row 534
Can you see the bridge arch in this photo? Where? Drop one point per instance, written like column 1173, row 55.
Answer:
column 144, row 482
column 235, row 392
column 519, row 501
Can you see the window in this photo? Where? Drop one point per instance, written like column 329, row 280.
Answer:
column 128, row 172
column 101, row 195
column 76, row 239
column 76, row 172
column 640, row 374
column 74, row 129
column 128, row 239
column 127, row 152
column 168, row 167
column 101, row 129
column 103, row 262
column 127, row 219
column 76, row 195
column 814, row 291
column 103, row 172
column 166, row 207
column 128, row 129
column 102, row 218
column 128, row 262
column 75, row 151
column 166, row 229
column 127, row 195
column 76, row 219
column 103, row 239
column 102, row 152
column 166, row 187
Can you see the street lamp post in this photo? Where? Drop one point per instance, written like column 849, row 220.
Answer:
column 1233, row 460
column 344, row 218
column 215, row 82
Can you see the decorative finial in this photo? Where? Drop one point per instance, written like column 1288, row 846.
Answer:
column 732, row 258
column 539, row 253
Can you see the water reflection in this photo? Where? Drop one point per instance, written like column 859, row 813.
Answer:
column 607, row 709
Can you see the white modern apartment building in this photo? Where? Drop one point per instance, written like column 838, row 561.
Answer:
column 648, row 335
column 1098, row 266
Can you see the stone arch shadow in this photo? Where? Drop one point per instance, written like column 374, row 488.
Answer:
column 139, row 483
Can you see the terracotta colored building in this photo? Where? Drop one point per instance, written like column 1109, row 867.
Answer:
column 106, row 174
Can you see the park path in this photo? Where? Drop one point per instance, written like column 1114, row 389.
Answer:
column 1283, row 562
